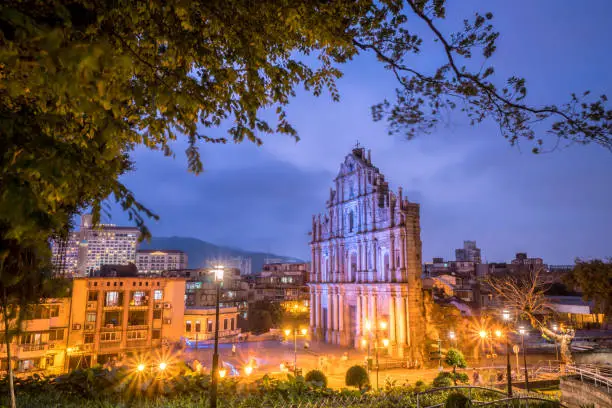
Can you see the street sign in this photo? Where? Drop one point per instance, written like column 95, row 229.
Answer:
column 516, row 349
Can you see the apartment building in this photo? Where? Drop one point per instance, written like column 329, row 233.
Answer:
column 155, row 261
column 41, row 344
column 115, row 317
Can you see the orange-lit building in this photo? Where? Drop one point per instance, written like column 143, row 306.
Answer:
column 200, row 324
column 112, row 318
column 41, row 344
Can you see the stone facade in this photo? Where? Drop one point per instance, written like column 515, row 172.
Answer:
column 366, row 263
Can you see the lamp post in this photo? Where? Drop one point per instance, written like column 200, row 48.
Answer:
column 453, row 338
column 555, row 328
column 383, row 326
column 506, row 318
column 295, row 334
column 218, row 276
column 522, row 332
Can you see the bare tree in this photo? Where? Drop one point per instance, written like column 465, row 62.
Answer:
column 525, row 293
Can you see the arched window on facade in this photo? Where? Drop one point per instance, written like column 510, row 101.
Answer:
column 351, row 221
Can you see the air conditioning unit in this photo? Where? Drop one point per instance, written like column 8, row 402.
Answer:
column 167, row 321
column 89, row 327
column 167, row 305
column 158, row 305
column 76, row 326
column 51, row 345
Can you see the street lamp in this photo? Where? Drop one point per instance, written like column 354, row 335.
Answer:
column 218, row 272
column 452, row 336
column 523, row 332
column 554, row 329
column 506, row 318
column 303, row 332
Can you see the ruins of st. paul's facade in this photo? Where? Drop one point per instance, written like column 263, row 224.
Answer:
column 365, row 283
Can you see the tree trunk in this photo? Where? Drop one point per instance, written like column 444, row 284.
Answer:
column 7, row 341
column 455, row 375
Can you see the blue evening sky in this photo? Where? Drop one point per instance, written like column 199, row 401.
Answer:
column 470, row 183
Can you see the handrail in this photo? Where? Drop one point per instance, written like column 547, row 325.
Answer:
column 598, row 379
column 522, row 398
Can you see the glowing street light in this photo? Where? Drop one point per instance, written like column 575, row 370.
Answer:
column 523, row 332
column 383, row 325
column 364, row 342
column 506, row 318
column 368, row 326
column 287, row 332
column 385, row 342
column 218, row 272
column 222, row 372
column 140, row 367
column 304, row 332
column 498, row 333
column 248, row 369
column 482, row 334
column 163, row 366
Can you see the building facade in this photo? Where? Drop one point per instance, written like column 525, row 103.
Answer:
column 112, row 318
column 470, row 252
column 200, row 325
column 155, row 261
column 86, row 250
column 366, row 263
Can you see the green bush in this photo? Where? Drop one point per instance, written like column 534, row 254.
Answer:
column 457, row 400
column 316, row 377
column 444, row 379
column 357, row 376
column 462, row 378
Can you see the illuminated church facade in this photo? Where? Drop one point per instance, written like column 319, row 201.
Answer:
column 365, row 279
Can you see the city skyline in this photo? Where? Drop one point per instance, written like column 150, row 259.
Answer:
column 470, row 183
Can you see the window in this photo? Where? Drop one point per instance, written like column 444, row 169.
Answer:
column 56, row 335
column 209, row 326
column 112, row 318
column 157, row 314
column 158, row 294
column 31, row 338
column 92, row 296
column 113, row 299
column 188, row 326
column 50, row 361
column 224, row 324
column 139, row 298
column 137, row 318
column 197, row 326
column 54, row 311
column 156, row 335
column 232, row 323
column 91, row 317
column 110, row 336
column 137, row 335
column 351, row 221
column 88, row 339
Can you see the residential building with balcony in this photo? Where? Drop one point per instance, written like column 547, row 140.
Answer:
column 41, row 343
column 284, row 283
column 115, row 317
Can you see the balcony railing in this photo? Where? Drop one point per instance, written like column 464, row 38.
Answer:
column 33, row 347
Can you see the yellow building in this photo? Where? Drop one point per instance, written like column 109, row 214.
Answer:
column 199, row 324
column 112, row 318
column 41, row 343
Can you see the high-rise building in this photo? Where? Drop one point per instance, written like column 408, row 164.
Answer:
column 155, row 261
column 366, row 263
column 86, row 250
column 469, row 253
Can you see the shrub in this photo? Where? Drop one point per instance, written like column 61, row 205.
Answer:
column 462, row 378
column 316, row 377
column 357, row 376
column 444, row 379
column 457, row 400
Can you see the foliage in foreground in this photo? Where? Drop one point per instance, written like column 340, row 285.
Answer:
column 357, row 376
column 317, row 378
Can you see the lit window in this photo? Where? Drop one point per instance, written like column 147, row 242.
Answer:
column 188, row 326
column 158, row 294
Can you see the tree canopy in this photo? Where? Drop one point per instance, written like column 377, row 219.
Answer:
column 594, row 279
column 84, row 82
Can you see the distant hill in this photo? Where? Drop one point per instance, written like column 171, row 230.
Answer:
column 199, row 251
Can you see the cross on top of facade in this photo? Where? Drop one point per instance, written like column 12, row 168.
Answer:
column 357, row 145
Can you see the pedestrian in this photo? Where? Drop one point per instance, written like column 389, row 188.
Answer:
column 476, row 377
column 234, row 349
